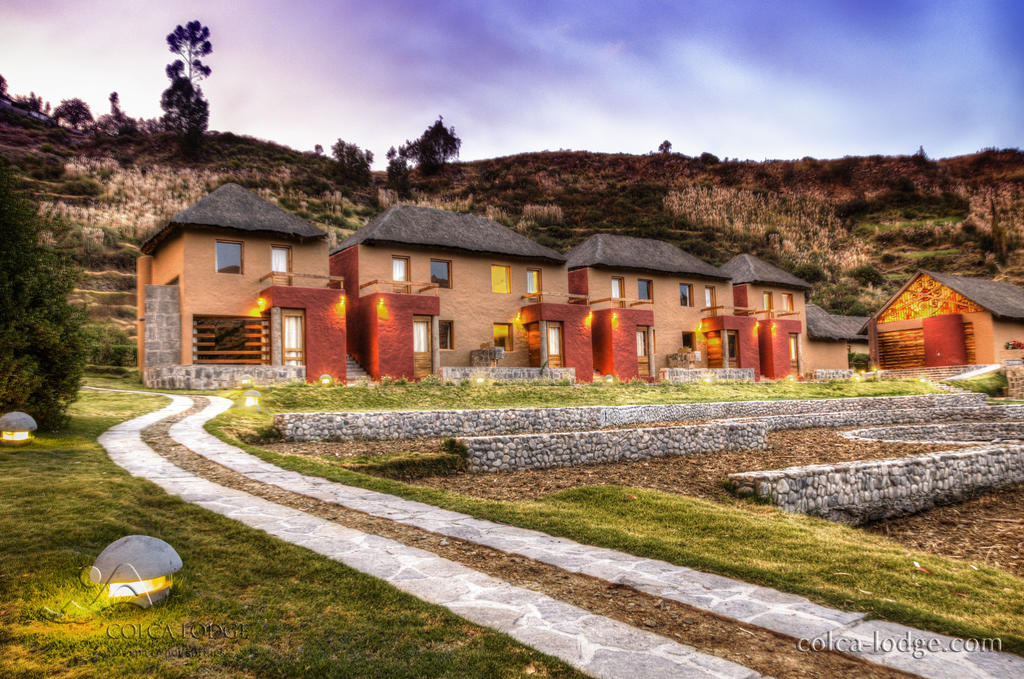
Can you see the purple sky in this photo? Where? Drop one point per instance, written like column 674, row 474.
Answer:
column 740, row 79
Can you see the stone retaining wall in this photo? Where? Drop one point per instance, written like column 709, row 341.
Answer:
column 690, row 375
column 462, row 373
column 210, row 377
column 963, row 432
column 883, row 416
column 862, row 491
column 410, row 424
column 538, row 451
column 824, row 375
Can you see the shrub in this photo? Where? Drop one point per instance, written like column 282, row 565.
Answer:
column 42, row 352
column 866, row 274
column 81, row 186
column 810, row 272
column 858, row 361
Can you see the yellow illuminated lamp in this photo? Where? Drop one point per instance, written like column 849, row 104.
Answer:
column 708, row 380
column 615, row 320
column 791, row 378
column 17, row 429
column 588, row 319
column 856, row 377
column 261, row 304
column 923, row 380
column 609, row 378
column 325, row 379
column 252, row 399
column 137, row 569
column 245, row 381
column 479, row 380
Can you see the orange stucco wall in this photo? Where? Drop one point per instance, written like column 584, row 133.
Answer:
column 671, row 319
column 189, row 257
column 469, row 303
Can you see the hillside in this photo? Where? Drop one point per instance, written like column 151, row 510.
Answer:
column 858, row 225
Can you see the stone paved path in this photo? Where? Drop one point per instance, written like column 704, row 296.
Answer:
column 785, row 613
column 595, row 644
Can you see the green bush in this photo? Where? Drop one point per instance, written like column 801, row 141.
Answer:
column 866, row 274
column 42, row 349
column 858, row 361
column 81, row 186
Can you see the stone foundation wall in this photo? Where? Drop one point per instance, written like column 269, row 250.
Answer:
column 162, row 326
column 883, row 416
column 689, row 375
column 410, row 424
column 963, row 432
column 862, row 491
column 538, row 451
column 210, row 377
column 1015, row 381
column 463, row 373
column 824, row 375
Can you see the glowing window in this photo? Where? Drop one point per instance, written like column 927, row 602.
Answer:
column 499, row 279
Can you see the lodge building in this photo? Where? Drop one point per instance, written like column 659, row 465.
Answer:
column 235, row 285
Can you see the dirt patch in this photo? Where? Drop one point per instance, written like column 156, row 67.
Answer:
column 754, row 647
column 700, row 475
column 987, row 529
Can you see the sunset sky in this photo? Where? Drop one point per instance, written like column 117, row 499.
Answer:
column 740, row 79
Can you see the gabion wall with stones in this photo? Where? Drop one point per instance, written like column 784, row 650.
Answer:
column 962, row 432
column 862, row 491
column 462, row 373
column 161, row 326
column 566, row 449
column 690, row 375
column 411, row 424
column 824, row 375
column 883, row 416
column 209, row 377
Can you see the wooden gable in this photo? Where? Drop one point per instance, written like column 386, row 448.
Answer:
column 925, row 297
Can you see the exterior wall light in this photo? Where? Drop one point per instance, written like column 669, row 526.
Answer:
column 325, row 380
column 261, row 304
column 708, row 380
column 245, row 381
column 17, row 429
column 136, row 568
column 252, row 399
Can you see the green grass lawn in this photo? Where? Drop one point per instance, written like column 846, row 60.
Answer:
column 290, row 613
column 298, row 397
column 830, row 563
column 992, row 383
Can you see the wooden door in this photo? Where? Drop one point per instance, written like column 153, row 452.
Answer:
column 901, row 349
column 714, row 342
column 555, row 350
column 533, row 343
column 421, row 357
column 643, row 366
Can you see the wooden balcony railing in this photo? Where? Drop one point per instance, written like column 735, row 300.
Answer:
column 399, row 287
column 621, row 302
column 288, row 278
column 555, row 297
column 772, row 313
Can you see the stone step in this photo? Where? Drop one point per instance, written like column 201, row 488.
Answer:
column 354, row 373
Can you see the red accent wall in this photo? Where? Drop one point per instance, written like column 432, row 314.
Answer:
column 774, row 346
column 748, row 354
column 740, row 295
column 325, row 326
column 615, row 347
column 385, row 331
column 944, row 342
column 578, row 282
column 576, row 333
column 346, row 263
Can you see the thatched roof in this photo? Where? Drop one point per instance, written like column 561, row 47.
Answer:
column 749, row 269
column 644, row 254
column 821, row 325
column 233, row 207
column 428, row 227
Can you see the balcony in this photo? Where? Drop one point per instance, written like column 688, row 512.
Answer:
column 288, row 278
column 398, row 287
column 621, row 303
column 554, row 298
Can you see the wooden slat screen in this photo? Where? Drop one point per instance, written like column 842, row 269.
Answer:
column 969, row 341
column 901, row 349
column 233, row 341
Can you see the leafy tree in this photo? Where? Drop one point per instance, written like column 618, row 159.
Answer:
column 116, row 123
column 74, row 112
column 665, row 147
column 866, row 274
column 3, row 86
column 352, row 163
column 398, row 172
column 810, row 272
column 318, row 149
column 42, row 351
column 31, row 103
column 434, row 148
column 185, row 110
